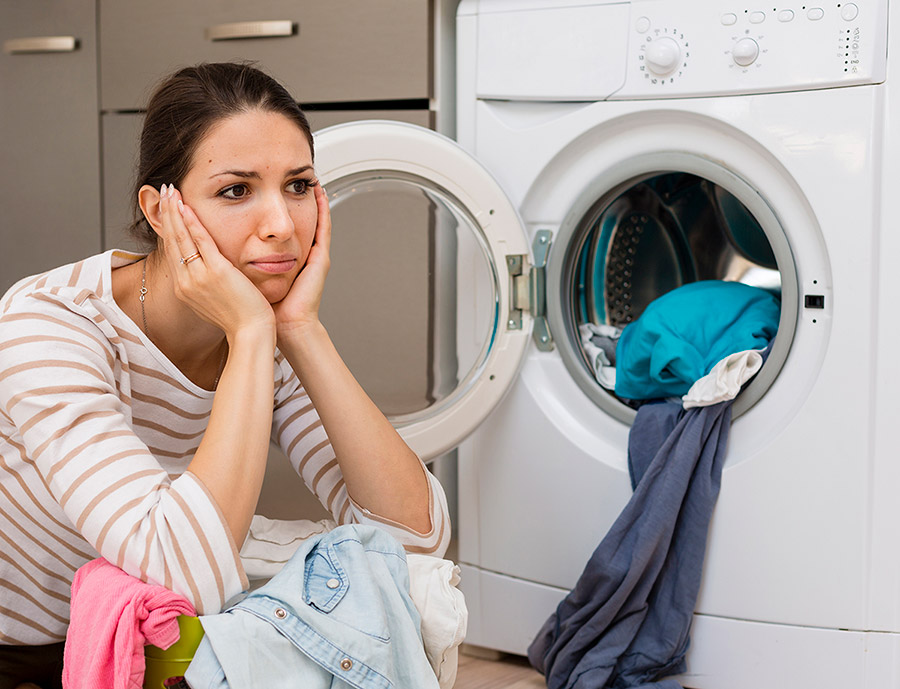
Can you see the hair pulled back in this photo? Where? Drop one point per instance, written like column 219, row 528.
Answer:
column 182, row 110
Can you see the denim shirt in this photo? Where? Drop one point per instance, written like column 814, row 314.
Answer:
column 338, row 614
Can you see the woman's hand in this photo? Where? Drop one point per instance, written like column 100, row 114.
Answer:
column 209, row 284
column 300, row 308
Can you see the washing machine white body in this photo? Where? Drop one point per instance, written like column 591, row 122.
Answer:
column 801, row 582
column 560, row 107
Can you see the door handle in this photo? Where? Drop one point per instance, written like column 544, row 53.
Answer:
column 40, row 44
column 263, row 29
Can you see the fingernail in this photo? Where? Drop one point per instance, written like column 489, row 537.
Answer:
column 180, row 207
column 171, row 191
column 162, row 191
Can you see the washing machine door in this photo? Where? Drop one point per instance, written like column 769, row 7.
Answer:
column 427, row 299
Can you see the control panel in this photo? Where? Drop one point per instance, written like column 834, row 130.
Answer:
column 717, row 48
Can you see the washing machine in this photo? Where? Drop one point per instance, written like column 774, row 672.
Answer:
column 607, row 153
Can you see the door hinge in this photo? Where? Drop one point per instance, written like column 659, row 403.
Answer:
column 528, row 290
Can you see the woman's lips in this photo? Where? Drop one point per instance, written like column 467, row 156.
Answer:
column 275, row 264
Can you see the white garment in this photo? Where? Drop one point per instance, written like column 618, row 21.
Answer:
column 725, row 379
column 433, row 589
column 270, row 543
column 604, row 369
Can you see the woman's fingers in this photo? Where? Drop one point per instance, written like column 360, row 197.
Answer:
column 204, row 243
column 176, row 236
column 323, row 222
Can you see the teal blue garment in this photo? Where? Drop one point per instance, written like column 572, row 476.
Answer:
column 684, row 333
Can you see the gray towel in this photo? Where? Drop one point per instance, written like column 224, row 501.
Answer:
column 626, row 624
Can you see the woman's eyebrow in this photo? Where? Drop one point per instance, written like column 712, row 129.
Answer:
column 237, row 173
column 250, row 174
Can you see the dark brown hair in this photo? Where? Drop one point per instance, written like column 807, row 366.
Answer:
column 182, row 110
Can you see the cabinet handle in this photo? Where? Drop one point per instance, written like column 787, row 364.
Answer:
column 40, row 44
column 266, row 29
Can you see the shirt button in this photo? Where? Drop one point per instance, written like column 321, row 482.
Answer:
column 332, row 583
column 346, row 664
column 280, row 613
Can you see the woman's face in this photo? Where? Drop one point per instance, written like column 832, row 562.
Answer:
column 251, row 185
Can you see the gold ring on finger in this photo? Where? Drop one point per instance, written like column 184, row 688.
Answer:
column 187, row 259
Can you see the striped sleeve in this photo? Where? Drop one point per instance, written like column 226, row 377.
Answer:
column 298, row 430
column 59, row 390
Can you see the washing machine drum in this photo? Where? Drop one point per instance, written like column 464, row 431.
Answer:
column 662, row 233
column 642, row 240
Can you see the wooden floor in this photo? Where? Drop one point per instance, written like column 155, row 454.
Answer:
column 507, row 672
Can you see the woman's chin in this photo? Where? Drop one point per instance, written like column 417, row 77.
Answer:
column 275, row 290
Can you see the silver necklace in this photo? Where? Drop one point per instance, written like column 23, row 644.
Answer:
column 142, row 294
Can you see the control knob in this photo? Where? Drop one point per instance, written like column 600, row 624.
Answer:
column 745, row 51
column 663, row 56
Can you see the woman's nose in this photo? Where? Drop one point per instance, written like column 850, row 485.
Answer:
column 275, row 221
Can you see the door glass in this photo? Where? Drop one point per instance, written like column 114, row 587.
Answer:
column 400, row 247
column 661, row 233
column 646, row 237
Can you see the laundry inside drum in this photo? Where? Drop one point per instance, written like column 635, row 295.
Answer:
column 650, row 237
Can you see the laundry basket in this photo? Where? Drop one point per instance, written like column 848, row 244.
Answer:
column 166, row 668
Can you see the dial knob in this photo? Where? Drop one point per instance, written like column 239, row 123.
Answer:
column 745, row 52
column 663, row 56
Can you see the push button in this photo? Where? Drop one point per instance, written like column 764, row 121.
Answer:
column 346, row 664
column 757, row 17
column 786, row 16
column 729, row 19
column 849, row 12
column 280, row 613
column 815, row 13
column 332, row 583
column 642, row 25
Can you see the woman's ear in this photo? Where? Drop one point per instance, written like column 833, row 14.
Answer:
column 148, row 200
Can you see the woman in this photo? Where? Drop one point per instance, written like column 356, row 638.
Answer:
column 138, row 394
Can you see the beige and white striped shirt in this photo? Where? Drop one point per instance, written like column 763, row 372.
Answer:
column 97, row 428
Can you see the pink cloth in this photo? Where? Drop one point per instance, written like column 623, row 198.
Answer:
column 113, row 616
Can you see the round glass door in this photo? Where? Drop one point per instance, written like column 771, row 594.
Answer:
column 681, row 219
column 417, row 299
column 393, row 291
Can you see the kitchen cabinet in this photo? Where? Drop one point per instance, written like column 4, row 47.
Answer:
column 50, row 208
column 335, row 51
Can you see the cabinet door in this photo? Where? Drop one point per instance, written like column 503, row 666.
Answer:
column 50, row 208
column 121, row 136
column 340, row 50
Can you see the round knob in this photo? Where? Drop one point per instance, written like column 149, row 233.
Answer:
column 663, row 56
column 745, row 52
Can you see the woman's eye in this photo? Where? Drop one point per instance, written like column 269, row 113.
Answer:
column 236, row 191
column 300, row 186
